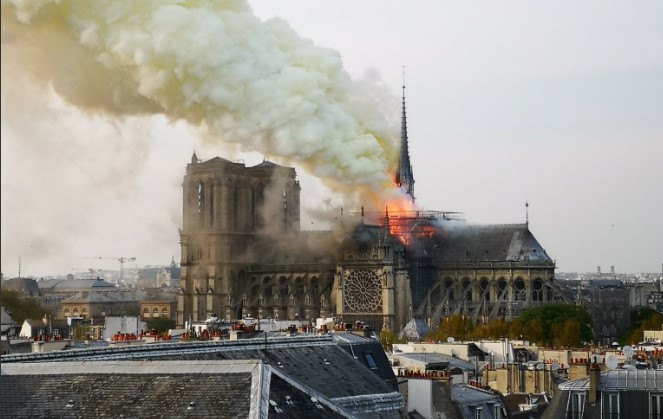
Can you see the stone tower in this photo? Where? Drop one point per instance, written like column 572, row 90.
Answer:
column 226, row 206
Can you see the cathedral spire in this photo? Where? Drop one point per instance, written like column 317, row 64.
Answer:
column 404, row 176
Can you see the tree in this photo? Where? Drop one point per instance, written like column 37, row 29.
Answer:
column 459, row 327
column 567, row 333
column 640, row 315
column 498, row 328
column 533, row 330
column 160, row 324
column 388, row 338
column 21, row 308
column 642, row 318
column 552, row 318
column 515, row 329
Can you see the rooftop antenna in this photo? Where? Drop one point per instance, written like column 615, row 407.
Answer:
column 526, row 214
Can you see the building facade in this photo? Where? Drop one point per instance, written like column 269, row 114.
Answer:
column 244, row 255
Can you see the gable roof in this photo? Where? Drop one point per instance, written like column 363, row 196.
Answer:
column 76, row 284
column 239, row 388
column 315, row 365
column 104, row 297
column 5, row 316
column 460, row 242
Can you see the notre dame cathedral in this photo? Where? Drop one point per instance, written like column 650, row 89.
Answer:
column 244, row 255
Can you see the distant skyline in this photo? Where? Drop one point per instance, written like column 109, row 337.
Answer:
column 553, row 104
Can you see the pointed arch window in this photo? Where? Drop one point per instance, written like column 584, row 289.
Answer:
column 201, row 202
column 211, row 206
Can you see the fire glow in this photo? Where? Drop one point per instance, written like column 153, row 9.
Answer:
column 398, row 210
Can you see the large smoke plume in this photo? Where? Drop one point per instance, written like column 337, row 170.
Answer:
column 237, row 81
column 213, row 64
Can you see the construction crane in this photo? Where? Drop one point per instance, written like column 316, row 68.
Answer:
column 120, row 259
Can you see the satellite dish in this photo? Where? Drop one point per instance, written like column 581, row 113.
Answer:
column 611, row 361
column 540, row 366
column 595, row 359
column 555, row 366
column 450, row 340
column 628, row 351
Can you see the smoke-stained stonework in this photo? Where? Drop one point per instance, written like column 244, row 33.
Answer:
column 244, row 255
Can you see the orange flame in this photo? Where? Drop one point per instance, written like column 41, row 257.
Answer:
column 399, row 208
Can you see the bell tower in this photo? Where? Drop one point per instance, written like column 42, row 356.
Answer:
column 226, row 206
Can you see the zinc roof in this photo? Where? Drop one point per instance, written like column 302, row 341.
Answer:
column 632, row 379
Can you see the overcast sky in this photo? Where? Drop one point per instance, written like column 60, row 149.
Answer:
column 559, row 104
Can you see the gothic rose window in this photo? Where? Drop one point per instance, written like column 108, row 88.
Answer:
column 363, row 292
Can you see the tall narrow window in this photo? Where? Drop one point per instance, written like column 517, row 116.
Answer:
column 285, row 211
column 610, row 406
column 477, row 413
column 497, row 411
column 577, row 404
column 656, row 406
column 211, row 206
column 201, row 203
column 235, row 209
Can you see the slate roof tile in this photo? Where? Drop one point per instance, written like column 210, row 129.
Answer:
column 315, row 374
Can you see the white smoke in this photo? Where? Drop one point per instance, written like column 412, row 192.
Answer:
column 213, row 64
column 85, row 86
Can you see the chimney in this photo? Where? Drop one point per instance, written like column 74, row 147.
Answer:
column 367, row 331
column 430, row 394
column 594, row 380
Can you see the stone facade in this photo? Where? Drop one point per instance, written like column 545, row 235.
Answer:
column 243, row 255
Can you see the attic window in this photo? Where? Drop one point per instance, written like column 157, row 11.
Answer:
column 477, row 412
column 371, row 362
